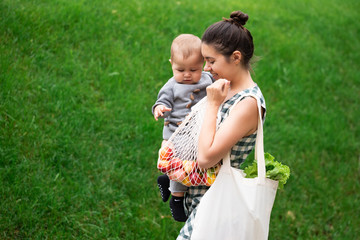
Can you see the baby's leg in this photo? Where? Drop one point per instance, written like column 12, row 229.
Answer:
column 177, row 189
column 163, row 184
column 177, row 201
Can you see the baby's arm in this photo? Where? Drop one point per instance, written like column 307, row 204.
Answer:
column 165, row 99
column 159, row 111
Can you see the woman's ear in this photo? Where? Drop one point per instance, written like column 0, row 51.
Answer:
column 236, row 56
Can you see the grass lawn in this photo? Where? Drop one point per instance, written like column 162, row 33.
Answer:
column 78, row 142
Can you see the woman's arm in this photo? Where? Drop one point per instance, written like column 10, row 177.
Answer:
column 242, row 121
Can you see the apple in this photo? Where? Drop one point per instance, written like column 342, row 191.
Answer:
column 177, row 175
column 195, row 178
column 164, row 166
column 186, row 181
column 188, row 166
column 176, row 163
column 203, row 178
column 166, row 153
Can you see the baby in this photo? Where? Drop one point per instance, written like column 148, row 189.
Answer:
column 174, row 102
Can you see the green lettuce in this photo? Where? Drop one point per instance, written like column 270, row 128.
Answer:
column 274, row 170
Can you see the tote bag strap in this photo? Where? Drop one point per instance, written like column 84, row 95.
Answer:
column 259, row 143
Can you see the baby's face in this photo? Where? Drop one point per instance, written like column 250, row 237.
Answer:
column 187, row 71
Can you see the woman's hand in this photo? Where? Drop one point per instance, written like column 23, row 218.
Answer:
column 217, row 92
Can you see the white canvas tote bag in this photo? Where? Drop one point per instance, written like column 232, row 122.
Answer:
column 236, row 207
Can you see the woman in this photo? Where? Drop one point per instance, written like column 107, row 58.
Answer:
column 227, row 47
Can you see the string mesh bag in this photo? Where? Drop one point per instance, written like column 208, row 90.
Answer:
column 178, row 157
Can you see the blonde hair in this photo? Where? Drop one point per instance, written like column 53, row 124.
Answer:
column 185, row 45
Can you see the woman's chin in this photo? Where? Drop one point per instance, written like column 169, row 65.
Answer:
column 216, row 77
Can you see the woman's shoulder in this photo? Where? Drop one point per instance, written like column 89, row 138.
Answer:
column 254, row 91
column 249, row 92
column 237, row 101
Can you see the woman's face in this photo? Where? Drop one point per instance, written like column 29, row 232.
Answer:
column 216, row 63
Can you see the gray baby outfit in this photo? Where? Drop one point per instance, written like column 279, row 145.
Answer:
column 180, row 98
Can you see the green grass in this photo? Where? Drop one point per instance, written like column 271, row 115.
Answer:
column 78, row 143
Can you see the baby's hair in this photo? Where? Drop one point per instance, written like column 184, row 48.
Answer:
column 185, row 45
column 230, row 35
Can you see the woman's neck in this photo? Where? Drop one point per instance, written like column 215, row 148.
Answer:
column 241, row 82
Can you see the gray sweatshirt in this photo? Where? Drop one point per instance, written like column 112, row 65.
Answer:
column 180, row 98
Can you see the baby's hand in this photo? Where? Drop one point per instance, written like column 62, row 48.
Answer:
column 159, row 111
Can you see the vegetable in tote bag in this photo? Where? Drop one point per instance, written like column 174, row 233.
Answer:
column 236, row 207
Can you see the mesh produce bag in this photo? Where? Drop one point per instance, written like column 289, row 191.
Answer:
column 177, row 158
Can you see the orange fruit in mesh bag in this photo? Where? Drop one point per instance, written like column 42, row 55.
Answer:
column 210, row 178
column 166, row 153
column 177, row 175
column 176, row 163
column 189, row 166
column 195, row 178
column 186, row 181
column 164, row 166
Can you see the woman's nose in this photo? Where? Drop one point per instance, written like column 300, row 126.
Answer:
column 207, row 67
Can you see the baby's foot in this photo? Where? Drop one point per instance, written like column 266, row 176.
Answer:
column 177, row 208
column 163, row 184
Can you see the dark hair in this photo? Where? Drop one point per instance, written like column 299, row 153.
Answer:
column 230, row 35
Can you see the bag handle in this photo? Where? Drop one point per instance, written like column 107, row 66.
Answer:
column 259, row 142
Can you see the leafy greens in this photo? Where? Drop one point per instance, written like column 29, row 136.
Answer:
column 274, row 170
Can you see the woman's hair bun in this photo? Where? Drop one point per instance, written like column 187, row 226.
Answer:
column 239, row 17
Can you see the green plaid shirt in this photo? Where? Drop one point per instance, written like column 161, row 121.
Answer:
column 239, row 153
